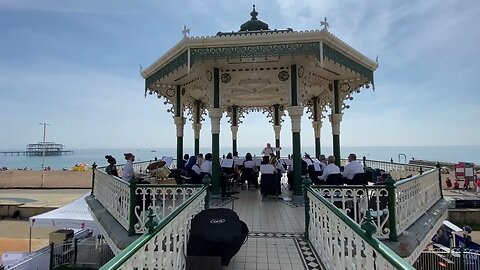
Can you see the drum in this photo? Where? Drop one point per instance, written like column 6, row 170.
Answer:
column 162, row 173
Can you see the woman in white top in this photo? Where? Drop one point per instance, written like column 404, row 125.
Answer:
column 128, row 168
column 249, row 172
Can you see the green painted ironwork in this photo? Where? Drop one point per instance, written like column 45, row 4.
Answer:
column 390, row 256
column 216, row 163
column 179, row 151
column 206, row 183
column 293, row 85
column 151, row 223
column 197, row 147
column 336, row 149
column 137, row 245
column 94, row 167
column 367, row 225
column 277, row 145
column 216, row 88
column 392, row 220
column 345, row 61
column 168, row 68
column 234, row 145
column 336, row 110
column 297, row 164
column 133, row 202
column 254, row 51
column 306, row 185
column 318, row 148
column 259, row 51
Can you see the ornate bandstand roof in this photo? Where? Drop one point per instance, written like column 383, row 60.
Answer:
column 254, row 66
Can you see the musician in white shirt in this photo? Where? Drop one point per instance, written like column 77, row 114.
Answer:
column 206, row 166
column 267, row 151
column 331, row 168
column 353, row 167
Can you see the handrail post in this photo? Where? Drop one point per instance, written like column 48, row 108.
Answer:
column 151, row 223
column 51, row 256
column 75, row 250
column 367, row 225
column 94, row 167
column 306, row 185
column 392, row 221
column 206, row 183
column 133, row 203
column 439, row 168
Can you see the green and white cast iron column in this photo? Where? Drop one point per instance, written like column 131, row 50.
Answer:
column 295, row 113
column 197, row 126
column 277, row 129
column 234, row 130
column 215, row 116
column 317, row 128
column 179, row 123
column 335, row 119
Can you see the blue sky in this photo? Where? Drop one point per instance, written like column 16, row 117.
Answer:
column 75, row 64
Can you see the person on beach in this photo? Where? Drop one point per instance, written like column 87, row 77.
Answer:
column 128, row 168
column 111, row 169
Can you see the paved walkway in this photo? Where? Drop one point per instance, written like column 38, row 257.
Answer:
column 275, row 238
column 41, row 197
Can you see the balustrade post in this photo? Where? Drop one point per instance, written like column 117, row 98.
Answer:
column 151, row 223
column 94, row 166
column 75, row 250
column 367, row 225
column 439, row 168
column 392, row 221
column 306, row 185
column 133, row 202
column 206, row 183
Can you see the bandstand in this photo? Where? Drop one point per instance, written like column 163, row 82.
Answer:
column 259, row 69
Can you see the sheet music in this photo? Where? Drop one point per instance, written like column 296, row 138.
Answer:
column 317, row 166
column 267, row 169
column 168, row 160
column 257, row 161
column 227, row 163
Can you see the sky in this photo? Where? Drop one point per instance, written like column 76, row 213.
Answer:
column 76, row 65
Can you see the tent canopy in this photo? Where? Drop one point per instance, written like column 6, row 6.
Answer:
column 74, row 215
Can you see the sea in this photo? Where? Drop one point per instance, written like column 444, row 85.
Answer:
column 452, row 154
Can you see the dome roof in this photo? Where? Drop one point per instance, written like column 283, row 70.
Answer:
column 254, row 24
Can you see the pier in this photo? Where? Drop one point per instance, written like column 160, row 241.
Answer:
column 40, row 149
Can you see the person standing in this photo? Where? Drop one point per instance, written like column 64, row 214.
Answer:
column 268, row 151
column 128, row 168
column 111, row 169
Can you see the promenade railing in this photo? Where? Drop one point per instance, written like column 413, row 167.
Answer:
column 129, row 202
column 394, row 205
column 396, row 170
column 340, row 242
column 164, row 245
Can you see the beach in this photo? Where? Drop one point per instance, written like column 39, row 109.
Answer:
column 51, row 179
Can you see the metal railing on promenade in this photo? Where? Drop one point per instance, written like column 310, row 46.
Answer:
column 454, row 258
column 164, row 245
column 340, row 242
column 396, row 170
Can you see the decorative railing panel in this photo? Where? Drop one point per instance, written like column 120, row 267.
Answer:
column 341, row 244
column 114, row 194
column 162, row 199
column 414, row 196
column 354, row 201
column 396, row 170
column 455, row 258
column 165, row 246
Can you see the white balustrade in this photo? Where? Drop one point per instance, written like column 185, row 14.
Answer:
column 354, row 202
column 396, row 170
column 167, row 249
column 342, row 244
column 414, row 196
column 162, row 199
column 114, row 194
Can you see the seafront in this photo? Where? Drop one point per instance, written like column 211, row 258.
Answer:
column 51, row 179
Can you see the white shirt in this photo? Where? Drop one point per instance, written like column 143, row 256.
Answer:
column 352, row 168
column 267, row 151
column 249, row 164
column 127, row 171
column 329, row 169
column 206, row 167
column 280, row 169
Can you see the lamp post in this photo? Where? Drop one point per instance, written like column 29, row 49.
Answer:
column 43, row 151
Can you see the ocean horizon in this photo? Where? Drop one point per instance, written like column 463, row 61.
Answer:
column 452, row 154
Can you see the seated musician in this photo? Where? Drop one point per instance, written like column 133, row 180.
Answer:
column 353, row 167
column 331, row 168
column 227, row 169
column 304, row 171
column 193, row 171
column 250, row 171
column 206, row 167
column 279, row 171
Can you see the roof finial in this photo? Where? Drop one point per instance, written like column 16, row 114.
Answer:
column 185, row 31
column 254, row 14
column 325, row 24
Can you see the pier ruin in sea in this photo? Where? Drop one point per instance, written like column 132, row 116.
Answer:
column 37, row 149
